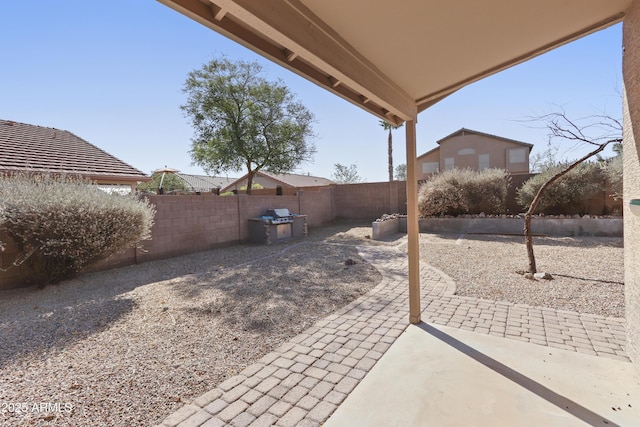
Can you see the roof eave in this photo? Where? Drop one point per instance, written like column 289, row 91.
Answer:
column 298, row 40
column 428, row 100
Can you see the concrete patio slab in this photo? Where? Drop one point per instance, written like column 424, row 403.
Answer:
column 441, row 376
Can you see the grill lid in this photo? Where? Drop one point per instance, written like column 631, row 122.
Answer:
column 279, row 213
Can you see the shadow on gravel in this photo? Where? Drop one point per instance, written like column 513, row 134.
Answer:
column 38, row 327
column 283, row 291
column 588, row 279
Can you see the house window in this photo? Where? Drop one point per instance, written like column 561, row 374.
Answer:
column 466, row 151
column 448, row 163
column 517, row 155
column 430, row 167
column 484, row 161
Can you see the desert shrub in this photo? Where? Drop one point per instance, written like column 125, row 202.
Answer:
column 568, row 195
column 63, row 224
column 462, row 191
column 612, row 170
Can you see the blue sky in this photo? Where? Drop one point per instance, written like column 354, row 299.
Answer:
column 112, row 73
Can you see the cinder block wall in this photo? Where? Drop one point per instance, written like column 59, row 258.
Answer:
column 370, row 200
column 317, row 204
column 631, row 118
column 191, row 223
column 186, row 224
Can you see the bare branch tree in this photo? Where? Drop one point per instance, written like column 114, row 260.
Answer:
column 599, row 131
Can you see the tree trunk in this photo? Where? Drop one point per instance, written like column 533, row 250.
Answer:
column 250, row 175
column 528, row 238
column 390, row 157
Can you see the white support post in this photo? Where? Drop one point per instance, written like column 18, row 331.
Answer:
column 412, row 225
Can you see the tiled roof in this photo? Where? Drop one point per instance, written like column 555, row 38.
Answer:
column 287, row 179
column 296, row 180
column 205, row 183
column 42, row 149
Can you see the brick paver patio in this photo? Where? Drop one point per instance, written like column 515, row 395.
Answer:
column 303, row 381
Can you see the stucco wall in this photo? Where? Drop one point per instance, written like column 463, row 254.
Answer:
column 480, row 144
column 432, row 156
column 631, row 118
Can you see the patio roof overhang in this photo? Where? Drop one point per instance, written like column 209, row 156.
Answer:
column 395, row 59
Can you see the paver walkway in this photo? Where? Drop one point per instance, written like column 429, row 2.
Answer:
column 303, row 381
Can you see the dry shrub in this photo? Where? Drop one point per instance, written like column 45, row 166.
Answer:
column 612, row 170
column 63, row 223
column 464, row 191
column 569, row 195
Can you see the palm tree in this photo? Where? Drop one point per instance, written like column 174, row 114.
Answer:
column 390, row 127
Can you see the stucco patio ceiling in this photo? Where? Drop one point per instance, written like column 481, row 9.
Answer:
column 397, row 58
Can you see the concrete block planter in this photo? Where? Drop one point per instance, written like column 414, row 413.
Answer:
column 382, row 229
column 556, row 227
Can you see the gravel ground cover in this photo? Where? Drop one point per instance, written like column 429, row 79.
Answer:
column 129, row 346
column 588, row 272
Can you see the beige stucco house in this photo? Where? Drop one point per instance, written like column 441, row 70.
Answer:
column 470, row 149
column 275, row 180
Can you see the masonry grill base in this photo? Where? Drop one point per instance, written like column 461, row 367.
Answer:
column 268, row 229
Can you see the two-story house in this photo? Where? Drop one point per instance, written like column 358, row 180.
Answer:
column 475, row 150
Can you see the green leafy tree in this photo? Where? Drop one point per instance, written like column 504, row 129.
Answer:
column 255, row 186
column 388, row 126
column 346, row 174
column 244, row 121
column 401, row 172
column 171, row 182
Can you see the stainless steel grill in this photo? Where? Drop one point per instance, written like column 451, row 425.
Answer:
column 276, row 225
column 279, row 216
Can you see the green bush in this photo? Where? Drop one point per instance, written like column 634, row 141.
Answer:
column 464, row 191
column 569, row 195
column 171, row 182
column 254, row 186
column 63, row 224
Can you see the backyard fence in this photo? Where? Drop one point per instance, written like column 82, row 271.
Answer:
column 190, row 223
